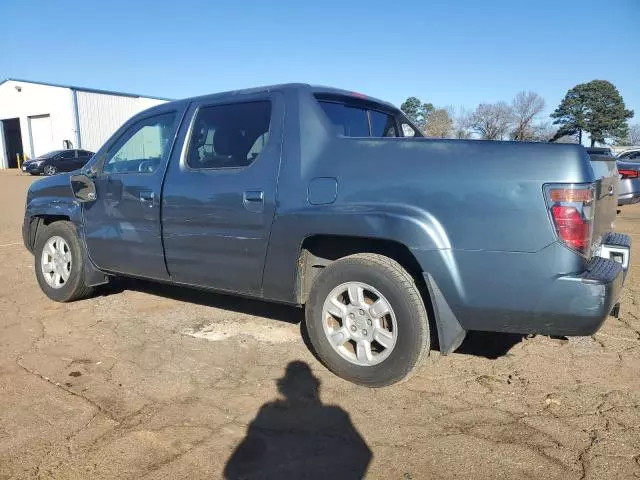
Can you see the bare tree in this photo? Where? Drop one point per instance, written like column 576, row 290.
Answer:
column 542, row 132
column 525, row 107
column 566, row 139
column 462, row 128
column 439, row 124
column 492, row 121
column 634, row 135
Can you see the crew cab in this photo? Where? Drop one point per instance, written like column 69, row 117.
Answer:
column 332, row 200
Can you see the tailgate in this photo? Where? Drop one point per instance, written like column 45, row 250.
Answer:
column 606, row 193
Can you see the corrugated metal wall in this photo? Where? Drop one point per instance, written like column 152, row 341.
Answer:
column 100, row 115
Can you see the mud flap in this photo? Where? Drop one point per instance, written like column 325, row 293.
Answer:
column 92, row 276
column 450, row 332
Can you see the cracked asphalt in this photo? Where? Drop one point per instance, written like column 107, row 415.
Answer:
column 156, row 382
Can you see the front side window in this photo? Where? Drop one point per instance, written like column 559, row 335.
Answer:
column 229, row 136
column 142, row 147
column 68, row 155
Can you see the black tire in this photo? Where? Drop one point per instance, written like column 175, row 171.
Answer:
column 400, row 290
column 50, row 170
column 74, row 288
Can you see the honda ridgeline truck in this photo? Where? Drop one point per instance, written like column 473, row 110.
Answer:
column 332, row 200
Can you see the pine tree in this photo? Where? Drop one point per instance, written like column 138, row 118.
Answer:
column 595, row 107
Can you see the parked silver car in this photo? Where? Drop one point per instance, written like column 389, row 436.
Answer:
column 628, row 163
column 629, row 170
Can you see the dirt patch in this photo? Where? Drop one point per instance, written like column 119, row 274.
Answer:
column 155, row 382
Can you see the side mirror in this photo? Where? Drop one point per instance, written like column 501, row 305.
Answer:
column 83, row 188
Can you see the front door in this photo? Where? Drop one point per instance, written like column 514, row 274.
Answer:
column 220, row 191
column 66, row 161
column 122, row 227
column 82, row 157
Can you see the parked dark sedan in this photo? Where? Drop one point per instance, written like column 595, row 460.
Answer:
column 57, row 161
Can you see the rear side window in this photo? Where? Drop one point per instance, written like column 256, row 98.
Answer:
column 229, row 136
column 359, row 121
column 347, row 121
column 382, row 124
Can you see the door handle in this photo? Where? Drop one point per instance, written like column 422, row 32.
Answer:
column 254, row 196
column 253, row 200
column 146, row 197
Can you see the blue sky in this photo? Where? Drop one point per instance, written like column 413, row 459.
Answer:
column 457, row 53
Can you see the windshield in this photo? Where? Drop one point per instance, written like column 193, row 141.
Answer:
column 49, row 154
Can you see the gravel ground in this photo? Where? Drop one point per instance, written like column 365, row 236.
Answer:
column 156, row 382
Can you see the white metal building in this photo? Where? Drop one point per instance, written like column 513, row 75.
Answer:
column 38, row 117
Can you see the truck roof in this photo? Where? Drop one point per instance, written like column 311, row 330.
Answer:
column 314, row 89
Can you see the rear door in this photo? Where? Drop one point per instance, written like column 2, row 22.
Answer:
column 219, row 195
column 122, row 227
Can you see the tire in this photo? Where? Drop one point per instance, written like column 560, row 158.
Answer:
column 63, row 234
column 50, row 170
column 380, row 364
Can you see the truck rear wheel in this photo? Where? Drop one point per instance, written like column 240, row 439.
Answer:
column 59, row 263
column 367, row 321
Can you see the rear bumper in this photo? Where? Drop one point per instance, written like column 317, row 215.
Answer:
column 528, row 293
column 578, row 305
column 629, row 198
column 628, row 191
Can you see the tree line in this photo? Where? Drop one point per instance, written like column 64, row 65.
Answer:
column 595, row 107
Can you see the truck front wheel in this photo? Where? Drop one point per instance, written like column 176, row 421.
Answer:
column 367, row 321
column 59, row 263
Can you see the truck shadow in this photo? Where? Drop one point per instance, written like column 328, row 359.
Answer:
column 248, row 306
column 489, row 345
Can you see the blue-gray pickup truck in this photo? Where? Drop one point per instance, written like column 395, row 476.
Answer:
column 330, row 199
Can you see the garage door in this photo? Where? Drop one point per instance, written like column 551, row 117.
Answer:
column 41, row 134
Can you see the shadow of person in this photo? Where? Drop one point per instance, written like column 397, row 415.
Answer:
column 299, row 437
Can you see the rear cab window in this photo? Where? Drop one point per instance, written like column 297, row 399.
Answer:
column 355, row 117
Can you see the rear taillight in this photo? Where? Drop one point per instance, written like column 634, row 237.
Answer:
column 624, row 174
column 571, row 210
